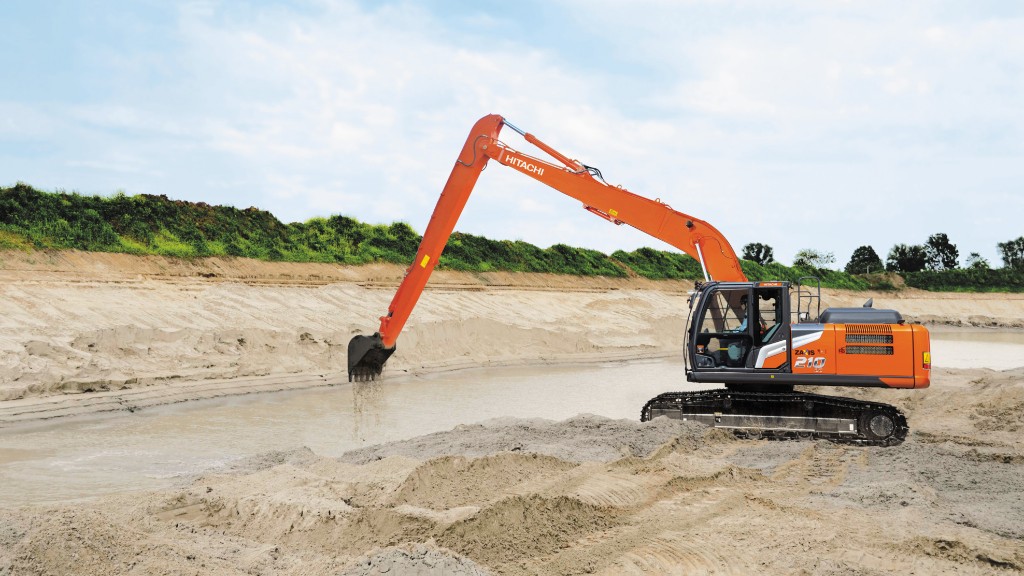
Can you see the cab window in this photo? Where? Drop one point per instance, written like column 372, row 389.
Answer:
column 724, row 312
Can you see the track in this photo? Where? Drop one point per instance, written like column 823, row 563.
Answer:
column 785, row 415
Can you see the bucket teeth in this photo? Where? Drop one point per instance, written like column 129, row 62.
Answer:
column 366, row 357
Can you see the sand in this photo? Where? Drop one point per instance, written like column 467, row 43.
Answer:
column 85, row 333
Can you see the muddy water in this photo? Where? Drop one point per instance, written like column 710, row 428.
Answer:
column 158, row 447
column 977, row 348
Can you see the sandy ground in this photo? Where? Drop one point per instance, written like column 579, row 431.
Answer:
column 85, row 333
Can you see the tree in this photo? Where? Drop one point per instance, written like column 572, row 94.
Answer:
column 942, row 254
column 760, row 253
column 1012, row 252
column 903, row 258
column 863, row 261
column 976, row 261
column 813, row 259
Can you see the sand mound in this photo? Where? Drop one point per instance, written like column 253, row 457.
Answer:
column 525, row 527
column 454, row 481
column 978, row 554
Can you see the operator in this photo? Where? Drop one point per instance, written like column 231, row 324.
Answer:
column 743, row 314
column 734, row 350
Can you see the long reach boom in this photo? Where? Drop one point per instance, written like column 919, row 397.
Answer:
column 367, row 354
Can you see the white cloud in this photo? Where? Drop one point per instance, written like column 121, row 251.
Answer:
column 795, row 124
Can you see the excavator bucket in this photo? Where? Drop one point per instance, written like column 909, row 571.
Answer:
column 366, row 357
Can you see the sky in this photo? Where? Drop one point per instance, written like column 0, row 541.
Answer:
column 799, row 124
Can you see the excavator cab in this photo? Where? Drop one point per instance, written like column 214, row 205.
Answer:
column 738, row 328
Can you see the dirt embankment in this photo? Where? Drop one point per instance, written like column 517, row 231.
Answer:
column 86, row 332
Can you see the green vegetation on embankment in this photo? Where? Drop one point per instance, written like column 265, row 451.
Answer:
column 143, row 224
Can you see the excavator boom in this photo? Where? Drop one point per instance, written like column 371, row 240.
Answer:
column 368, row 354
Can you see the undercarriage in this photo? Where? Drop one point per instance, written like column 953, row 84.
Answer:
column 785, row 415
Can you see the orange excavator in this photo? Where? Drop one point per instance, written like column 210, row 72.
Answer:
column 742, row 334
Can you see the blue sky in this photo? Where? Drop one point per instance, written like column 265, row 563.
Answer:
column 801, row 124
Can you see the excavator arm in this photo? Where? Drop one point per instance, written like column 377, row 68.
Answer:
column 367, row 354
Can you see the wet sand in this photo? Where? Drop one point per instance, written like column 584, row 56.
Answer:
column 587, row 494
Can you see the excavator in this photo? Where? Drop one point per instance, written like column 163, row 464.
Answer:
column 742, row 334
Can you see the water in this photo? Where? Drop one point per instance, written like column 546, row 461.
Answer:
column 977, row 348
column 159, row 447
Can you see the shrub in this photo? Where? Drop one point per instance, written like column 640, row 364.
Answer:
column 660, row 265
column 968, row 280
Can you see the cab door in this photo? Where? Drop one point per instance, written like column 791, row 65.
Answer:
column 771, row 348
